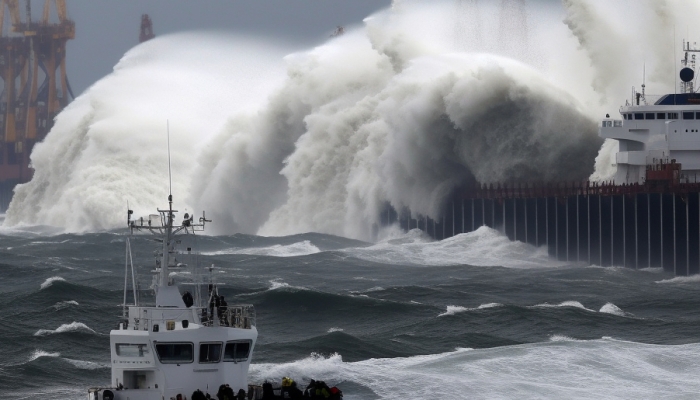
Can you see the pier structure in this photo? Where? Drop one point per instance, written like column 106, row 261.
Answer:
column 650, row 225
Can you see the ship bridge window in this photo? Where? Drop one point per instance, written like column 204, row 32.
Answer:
column 131, row 350
column 697, row 115
column 638, row 115
column 209, row 352
column 688, row 115
column 174, row 353
column 672, row 116
column 660, row 115
column 650, row 116
column 237, row 351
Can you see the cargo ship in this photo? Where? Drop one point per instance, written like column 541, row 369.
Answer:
column 646, row 216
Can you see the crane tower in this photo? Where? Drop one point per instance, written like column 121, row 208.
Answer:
column 34, row 82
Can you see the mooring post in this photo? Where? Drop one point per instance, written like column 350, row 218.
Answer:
column 588, row 200
column 661, row 206
column 515, row 218
column 556, row 225
column 612, row 237
column 636, row 235
column 443, row 227
column 493, row 214
column 546, row 222
column 624, row 234
column 473, row 216
column 578, row 232
column 649, row 227
column 453, row 218
column 567, row 228
column 505, row 231
column 600, row 229
column 675, row 265
column 526, row 220
column 537, row 230
column 687, row 238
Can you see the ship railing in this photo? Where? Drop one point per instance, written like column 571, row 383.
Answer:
column 240, row 316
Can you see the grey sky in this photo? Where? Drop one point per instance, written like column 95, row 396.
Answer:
column 105, row 30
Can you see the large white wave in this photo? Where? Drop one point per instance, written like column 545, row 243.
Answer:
column 561, row 368
column 403, row 111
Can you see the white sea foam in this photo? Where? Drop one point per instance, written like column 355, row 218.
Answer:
column 452, row 310
column 331, row 330
column 65, row 304
column 568, row 303
column 483, row 247
column 277, row 284
column 610, row 308
column 87, row 365
column 41, row 353
column 560, row 368
column 681, row 280
column 291, row 250
column 72, row 327
column 49, row 281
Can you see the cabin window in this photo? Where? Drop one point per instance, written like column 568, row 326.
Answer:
column 660, row 115
column 237, row 351
column 131, row 350
column 625, row 116
column 209, row 352
column 650, row 116
column 688, row 115
column 697, row 115
column 174, row 353
column 638, row 115
column 672, row 115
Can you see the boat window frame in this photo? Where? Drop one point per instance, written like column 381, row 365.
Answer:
column 141, row 347
column 697, row 115
column 660, row 115
column 156, row 344
column 672, row 115
column 237, row 360
column 638, row 116
column 649, row 115
column 218, row 360
column 686, row 114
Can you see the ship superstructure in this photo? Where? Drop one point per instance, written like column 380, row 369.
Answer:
column 654, row 134
column 189, row 340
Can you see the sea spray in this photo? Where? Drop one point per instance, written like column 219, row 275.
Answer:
column 403, row 112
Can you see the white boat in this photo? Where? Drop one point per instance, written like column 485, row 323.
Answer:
column 187, row 341
column 659, row 136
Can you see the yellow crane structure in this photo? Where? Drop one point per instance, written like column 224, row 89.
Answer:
column 35, row 86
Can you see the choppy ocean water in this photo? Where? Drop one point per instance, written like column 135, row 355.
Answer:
column 474, row 316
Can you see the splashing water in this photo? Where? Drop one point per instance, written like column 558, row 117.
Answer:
column 402, row 111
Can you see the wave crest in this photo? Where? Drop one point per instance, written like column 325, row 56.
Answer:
column 72, row 327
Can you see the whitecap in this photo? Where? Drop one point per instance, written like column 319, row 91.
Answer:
column 452, row 310
column 65, row 304
column 72, row 327
column 610, row 308
column 331, row 330
column 48, row 282
column 681, row 279
column 41, row 353
column 568, row 303
column 298, row 249
column 88, row 365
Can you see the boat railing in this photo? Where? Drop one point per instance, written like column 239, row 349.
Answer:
column 240, row 316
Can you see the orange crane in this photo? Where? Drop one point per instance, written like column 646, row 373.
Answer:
column 36, row 87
